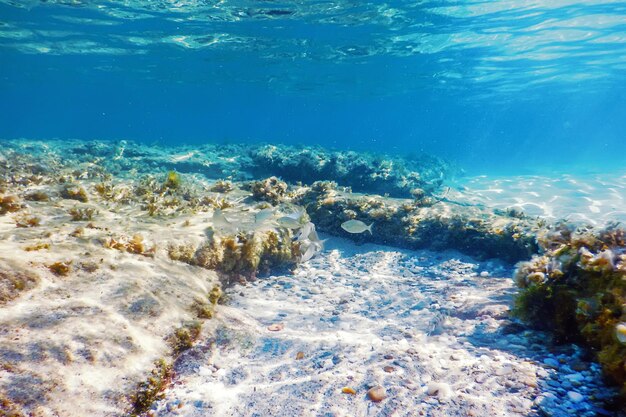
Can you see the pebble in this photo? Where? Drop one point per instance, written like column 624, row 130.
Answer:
column 505, row 370
column 389, row 369
column 575, row 397
column 377, row 394
column 552, row 363
column 348, row 390
column 299, row 356
column 275, row 327
column 481, row 378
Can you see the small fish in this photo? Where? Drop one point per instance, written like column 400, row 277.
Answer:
column 311, row 250
column 292, row 221
column 289, row 222
column 220, row 222
column 305, row 231
column 179, row 158
column 356, row 226
column 263, row 215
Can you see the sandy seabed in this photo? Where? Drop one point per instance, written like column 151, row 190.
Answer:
column 430, row 332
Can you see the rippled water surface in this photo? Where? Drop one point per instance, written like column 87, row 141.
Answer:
column 466, row 78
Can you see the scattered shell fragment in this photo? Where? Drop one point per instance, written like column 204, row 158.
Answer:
column 377, row 394
column 348, row 390
column 276, row 327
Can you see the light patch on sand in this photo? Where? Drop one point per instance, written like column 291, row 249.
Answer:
column 361, row 316
column 592, row 199
column 77, row 345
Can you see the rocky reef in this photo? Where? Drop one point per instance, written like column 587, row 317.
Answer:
column 367, row 173
column 576, row 288
column 362, row 172
column 422, row 223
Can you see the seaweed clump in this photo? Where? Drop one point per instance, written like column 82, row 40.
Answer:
column 74, row 193
column 14, row 281
column 151, row 390
column 244, row 254
column 222, row 186
column 61, row 268
column 136, row 244
column 576, row 287
column 82, row 213
column 9, row 204
column 270, row 189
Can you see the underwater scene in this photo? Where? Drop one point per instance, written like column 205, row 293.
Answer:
column 321, row 208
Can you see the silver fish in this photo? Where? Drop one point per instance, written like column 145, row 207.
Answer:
column 289, row 222
column 180, row 158
column 220, row 222
column 292, row 221
column 263, row 215
column 356, row 226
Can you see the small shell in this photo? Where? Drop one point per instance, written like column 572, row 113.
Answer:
column 620, row 332
column 276, row 327
column 348, row 390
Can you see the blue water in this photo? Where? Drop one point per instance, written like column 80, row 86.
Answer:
column 512, row 86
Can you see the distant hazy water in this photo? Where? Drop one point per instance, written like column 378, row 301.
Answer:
column 501, row 86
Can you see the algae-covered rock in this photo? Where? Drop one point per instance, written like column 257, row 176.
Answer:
column 403, row 223
column 577, row 289
column 245, row 253
column 394, row 176
column 270, row 189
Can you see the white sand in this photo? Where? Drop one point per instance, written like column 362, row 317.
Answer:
column 77, row 345
column 351, row 312
column 594, row 199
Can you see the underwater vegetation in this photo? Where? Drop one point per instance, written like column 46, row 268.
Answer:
column 14, row 280
column 576, row 287
column 270, row 189
column 244, row 254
